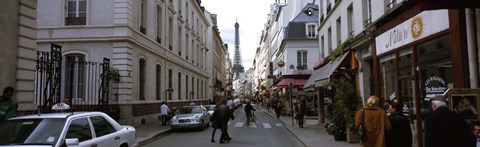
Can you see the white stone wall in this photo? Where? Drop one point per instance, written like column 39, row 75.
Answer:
column 112, row 30
column 18, row 49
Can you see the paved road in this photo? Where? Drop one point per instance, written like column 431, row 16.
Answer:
column 266, row 132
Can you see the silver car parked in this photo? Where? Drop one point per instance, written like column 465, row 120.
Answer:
column 191, row 117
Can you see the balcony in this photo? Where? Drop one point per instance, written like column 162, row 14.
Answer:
column 75, row 20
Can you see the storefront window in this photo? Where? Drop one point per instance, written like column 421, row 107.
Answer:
column 388, row 71
column 434, row 68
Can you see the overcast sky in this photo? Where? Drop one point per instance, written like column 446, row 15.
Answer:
column 251, row 15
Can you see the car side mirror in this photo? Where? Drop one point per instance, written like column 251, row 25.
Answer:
column 72, row 141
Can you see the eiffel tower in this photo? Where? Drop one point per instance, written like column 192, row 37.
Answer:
column 237, row 59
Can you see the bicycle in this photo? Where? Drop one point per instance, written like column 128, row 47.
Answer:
column 251, row 118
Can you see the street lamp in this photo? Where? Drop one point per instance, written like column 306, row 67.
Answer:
column 290, row 89
column 169, row 90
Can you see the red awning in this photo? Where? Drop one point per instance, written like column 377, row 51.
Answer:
column 296, row 82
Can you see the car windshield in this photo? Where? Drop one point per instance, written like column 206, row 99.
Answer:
column 211, row 107
column 31, row 131
column 189, row 110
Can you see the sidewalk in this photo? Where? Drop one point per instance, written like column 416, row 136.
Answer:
column 311, row 135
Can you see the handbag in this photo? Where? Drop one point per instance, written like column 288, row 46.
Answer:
column 361, row 129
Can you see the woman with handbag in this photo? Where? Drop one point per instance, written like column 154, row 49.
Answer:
column 375, row 122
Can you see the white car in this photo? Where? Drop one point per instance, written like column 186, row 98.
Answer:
column 78, row 129
column 191, row 117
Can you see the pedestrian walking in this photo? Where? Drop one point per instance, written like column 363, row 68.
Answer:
column 164, row 112
column 375, row 121
column 445, row 128
column 223, row 115
column 8, row 106
column 299, row 113
column 215, row 124
column 401, row 133
column 278, row 109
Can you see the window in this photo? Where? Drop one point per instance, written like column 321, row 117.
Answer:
column 76, row 12
column 193, row 87
column 186, row 45
column 79, row 128
column 339, row 30
column 159, row 83
column 329, row 39
column 142, row 79
column 159, row 24
column 367, row 13
column 186, row 86
column 170, row 78
column 198, row 91
column 179, row 85
column 302, row 59
column 322, row 47
column 170, row 34
column 75, row 76
column 101, row 126
column 180, row 41
column 311, row 31
column 350, row 20
column 143, row 16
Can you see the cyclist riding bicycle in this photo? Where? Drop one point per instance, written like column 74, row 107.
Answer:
column 248, row 111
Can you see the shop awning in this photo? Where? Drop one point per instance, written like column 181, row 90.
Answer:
column 311, row 81
column 296, row 82
column 327, row 70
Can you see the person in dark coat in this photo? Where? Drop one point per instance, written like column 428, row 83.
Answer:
column 223, row 115
column 401, row 133
column 215, row 125
column 248, row 111
column 445, row 128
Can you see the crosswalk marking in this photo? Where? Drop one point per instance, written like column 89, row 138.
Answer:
column 254, row 125
column 266, row 125
column 239, row 124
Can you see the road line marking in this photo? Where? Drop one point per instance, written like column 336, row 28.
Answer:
column 239, row 124
column 266, row 125
column 278, row 124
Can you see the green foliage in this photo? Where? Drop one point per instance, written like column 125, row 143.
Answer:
column 341, row 114
column 337, row 52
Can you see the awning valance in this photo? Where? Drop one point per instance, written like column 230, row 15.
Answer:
column 296, row 82
column 327, row 70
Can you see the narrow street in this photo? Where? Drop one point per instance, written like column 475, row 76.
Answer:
column 267, row 131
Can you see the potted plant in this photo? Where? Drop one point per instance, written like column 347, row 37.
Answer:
column 341, row 115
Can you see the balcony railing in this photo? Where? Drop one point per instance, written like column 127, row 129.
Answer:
column 75, row 20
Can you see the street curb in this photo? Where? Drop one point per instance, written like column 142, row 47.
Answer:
column 298, row 138
column 150, row 138
column 288, row 129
